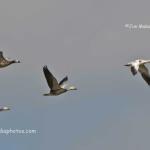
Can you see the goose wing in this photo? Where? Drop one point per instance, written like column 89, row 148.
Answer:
column 65, row 79
column 133, row 70
column 2, row 59
column 144, row 73
column 51, row 80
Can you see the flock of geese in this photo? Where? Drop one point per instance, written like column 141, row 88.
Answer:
column 57, row 88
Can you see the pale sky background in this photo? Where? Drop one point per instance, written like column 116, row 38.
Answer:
column 86, row 40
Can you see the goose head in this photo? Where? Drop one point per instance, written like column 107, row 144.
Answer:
column 142, row 61
column 15, row 61
column 71, row 88
column 4, row 109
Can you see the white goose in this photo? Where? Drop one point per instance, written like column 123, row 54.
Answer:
column 4, row 108
column 139, row 66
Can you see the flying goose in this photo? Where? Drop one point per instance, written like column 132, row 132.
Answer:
column 4, row 108
column 55, row 87
column 139, row 66
column 4, row 62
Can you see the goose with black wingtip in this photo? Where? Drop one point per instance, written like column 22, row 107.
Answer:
column 139, row 66
column 55, row 87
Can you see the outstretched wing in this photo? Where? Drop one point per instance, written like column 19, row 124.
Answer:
column 133, row 70
column 145, row 73
column 65, row 79
column 51, row 80
column 2, row 59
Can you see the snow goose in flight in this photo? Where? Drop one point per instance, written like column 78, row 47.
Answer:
column 55, row 87
column 4, row 62
column 139, row 66
column 4, row 108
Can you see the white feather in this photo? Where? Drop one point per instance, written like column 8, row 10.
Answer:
column 72, row 88
column 64, row 85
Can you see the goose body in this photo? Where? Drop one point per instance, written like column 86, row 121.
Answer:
column 4, row 108
column 4, row 62
column 55, row 87
column 139, row 66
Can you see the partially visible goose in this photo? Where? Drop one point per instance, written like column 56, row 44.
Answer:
column 4, row 108
column 55, row 87
column 138, row 66
column 4, row 62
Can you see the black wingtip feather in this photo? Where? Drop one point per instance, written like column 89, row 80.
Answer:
column 45, row 68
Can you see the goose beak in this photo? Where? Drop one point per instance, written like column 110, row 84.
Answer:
column 127, row 65
column 17, row 61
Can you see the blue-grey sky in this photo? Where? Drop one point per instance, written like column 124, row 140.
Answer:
column 86, row 40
